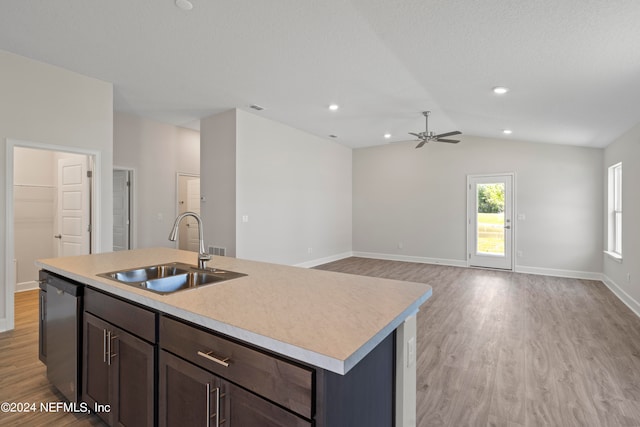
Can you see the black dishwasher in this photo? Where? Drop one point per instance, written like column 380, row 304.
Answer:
column 63, row 334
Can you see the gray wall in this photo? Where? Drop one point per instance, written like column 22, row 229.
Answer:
column 418, row 198
column 157, row 152
column 624, row 277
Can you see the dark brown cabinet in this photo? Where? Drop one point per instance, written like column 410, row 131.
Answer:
column 118, row 369
column 191, row 395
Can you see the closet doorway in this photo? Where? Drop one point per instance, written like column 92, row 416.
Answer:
column 50, row 206
column 51, row 209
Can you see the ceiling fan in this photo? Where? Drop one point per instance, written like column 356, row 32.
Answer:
column 427, row 136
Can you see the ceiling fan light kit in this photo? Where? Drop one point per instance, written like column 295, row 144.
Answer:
column 427, row 136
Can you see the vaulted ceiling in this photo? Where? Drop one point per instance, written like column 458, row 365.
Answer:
column 572, row 66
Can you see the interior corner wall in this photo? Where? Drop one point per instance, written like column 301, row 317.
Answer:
column 44, row 104
column 294, row 189
column 218, row 180
column 156, row 152
column 625, row 275
column 412, row 203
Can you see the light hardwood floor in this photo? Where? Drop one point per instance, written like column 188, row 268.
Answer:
column 23, row 378
column 494, row 349
column 507, row 349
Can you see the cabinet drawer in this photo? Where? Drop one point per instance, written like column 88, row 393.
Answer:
column 269, row 376
column 130, row 317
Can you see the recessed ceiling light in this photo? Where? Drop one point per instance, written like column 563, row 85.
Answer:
column 387, row 135
column 333, row 107
column 500, row 90
column 184, row 4
column 256, row 107
column 507, row 131
column 333, row 136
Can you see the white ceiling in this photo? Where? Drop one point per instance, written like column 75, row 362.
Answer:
column 573, row 66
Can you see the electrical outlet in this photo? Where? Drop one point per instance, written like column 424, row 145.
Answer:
column 309, row 250
column 520, row 254
column 400, row 245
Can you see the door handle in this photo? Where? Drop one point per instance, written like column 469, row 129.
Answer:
column 508, row 227
column 57, row 236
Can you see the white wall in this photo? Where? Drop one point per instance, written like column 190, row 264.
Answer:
column 218, row 180
column 34, row 196
column 48, row 105
column 418, row 198
column 157, row 152
column 624, row 277
column 296, row 190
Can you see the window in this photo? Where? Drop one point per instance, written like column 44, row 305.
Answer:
column 614, row 246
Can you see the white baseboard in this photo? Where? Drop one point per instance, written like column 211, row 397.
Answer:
column 320, row 261
column 572, row 274
column 409, row 258
column 26, row 286
column 622, row 295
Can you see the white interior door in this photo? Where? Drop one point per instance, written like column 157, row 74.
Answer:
column 121, row 210
column 490, row 221
column 73, row 213
column 188, row 200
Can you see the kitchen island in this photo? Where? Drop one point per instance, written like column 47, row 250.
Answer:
column 328, row 323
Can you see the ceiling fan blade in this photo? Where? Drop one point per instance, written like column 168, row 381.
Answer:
column 455, row 132
column 451, row 141
column 417, row 135
column 424, row 141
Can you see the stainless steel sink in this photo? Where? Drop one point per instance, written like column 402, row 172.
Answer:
column 169, row 278
column 147, row 273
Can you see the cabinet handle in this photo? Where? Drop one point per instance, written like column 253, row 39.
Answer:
column 210, row 356
column 42, row 307
column 104, row 346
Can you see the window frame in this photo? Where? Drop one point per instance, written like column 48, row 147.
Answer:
column 614, row 212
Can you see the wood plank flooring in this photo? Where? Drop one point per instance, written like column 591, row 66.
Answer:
column 507, row 349
column 23, row 378
column 494, row 349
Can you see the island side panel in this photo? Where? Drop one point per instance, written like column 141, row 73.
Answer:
column 364, row 396
column 406, row 373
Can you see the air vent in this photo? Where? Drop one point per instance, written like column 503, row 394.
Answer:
column 214, row 250
column 256, row 107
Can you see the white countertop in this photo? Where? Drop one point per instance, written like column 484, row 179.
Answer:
column 326, row 319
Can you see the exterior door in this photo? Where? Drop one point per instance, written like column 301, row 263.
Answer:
column 490, row 222
column 73, row 206
column 121, row 210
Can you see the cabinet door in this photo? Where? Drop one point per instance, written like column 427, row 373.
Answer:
column 95, row 370
column 117, row 374
column 242, row 408
column 190, row 395
column 131, row 379
column 187, row 394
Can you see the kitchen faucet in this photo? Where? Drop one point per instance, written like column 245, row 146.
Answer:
column 203, row 256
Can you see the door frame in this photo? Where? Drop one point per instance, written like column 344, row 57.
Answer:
column 95, row 158
column 513, row 233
